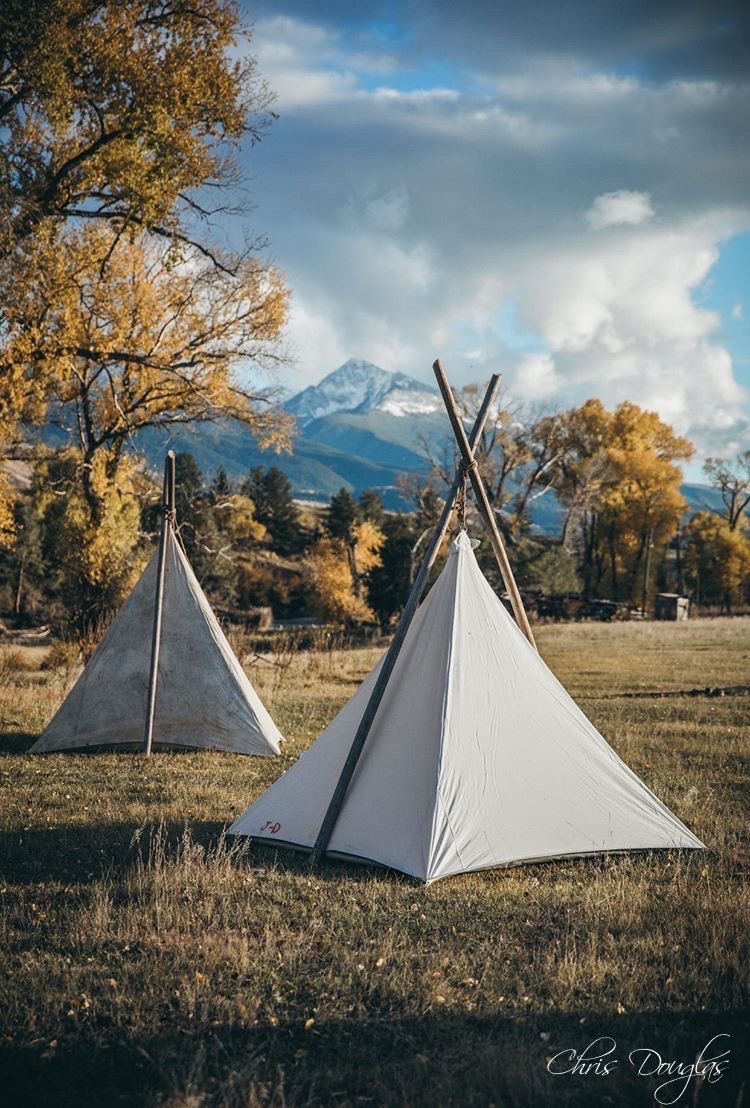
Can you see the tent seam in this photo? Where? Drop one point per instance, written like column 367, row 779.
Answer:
column 443, row 722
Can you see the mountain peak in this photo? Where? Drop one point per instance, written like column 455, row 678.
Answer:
column 361, row 386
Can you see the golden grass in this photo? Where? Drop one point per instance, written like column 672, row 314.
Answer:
column 145, row 960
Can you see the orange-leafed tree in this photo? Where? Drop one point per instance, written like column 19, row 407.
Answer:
column 119, row 309
column 117, row 335
column 338, row 596
column 718, row 561
column 619, row 479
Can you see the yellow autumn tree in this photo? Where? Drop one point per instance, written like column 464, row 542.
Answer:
column 235, row 515
column 718, row 560
column 95, row 562
column 139, row 340
column 7, row 522
column 121, row 110
column 333, row 586
column 618, row 477
column 118, row 310
column 643, row 504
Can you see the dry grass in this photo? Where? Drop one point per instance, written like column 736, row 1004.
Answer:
column 148, row 961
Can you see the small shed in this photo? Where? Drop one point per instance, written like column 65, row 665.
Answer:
column 670, row 605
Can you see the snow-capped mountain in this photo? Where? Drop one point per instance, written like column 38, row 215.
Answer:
column 359, row 386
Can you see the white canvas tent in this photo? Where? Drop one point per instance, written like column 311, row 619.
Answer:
column 202, row 697
column 461, row 750
column 477, row 756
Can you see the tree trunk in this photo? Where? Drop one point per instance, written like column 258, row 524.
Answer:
column 18, row 601
column 354, row 568
column 589, row 531
column 635, row 570
column 678, row 565
column 93, row 499
column 613, row 561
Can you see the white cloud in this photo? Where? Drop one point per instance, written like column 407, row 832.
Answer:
column 418, row 96
column 315, row 343
column 613, row 209
column 619, row 319
column 296, row 88
column 302, row 63
column 569, row 81
column 738, row 311
column 535, row 378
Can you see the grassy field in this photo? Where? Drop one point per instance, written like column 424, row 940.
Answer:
column 146, row 961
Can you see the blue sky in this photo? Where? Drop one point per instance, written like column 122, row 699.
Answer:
column 557, row 192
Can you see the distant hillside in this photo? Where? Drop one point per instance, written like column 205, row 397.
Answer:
column 701, row 498
column 315, row 471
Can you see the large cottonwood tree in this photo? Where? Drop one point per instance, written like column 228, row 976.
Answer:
column 119, row 307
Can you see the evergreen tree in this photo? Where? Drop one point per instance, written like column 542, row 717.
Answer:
column 221, row 486
column 342, row 516
column 371, row 507
column 271, row 492
column 188, row 484
column 389, row 583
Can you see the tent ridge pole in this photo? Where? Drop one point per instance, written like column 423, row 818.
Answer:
column 167, row 521
column 389, row 661
column 483, row 504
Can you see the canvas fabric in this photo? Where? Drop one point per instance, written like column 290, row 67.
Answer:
column 204, row 698
column 477, row 756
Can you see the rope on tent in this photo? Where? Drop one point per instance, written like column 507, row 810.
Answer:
column 464, row 469
column 461, row 506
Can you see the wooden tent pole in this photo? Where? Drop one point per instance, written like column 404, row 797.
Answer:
column 389, row 661
column 167, row 521
column 484, row 505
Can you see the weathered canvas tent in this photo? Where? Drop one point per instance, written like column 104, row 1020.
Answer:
column 200, row 694
column 461, row 751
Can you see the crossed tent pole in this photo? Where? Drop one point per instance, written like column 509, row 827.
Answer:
column 467, row 467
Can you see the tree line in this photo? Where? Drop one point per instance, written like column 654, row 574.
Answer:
column 615, row 476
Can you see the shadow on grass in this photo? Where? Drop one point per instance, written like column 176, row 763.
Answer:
column 288, row 859
column 83, row 853
column 16, row 742
column 433, row 1061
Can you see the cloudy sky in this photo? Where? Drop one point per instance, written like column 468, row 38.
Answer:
column 556, row 191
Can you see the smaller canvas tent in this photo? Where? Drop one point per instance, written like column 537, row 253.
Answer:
column 203, row 698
